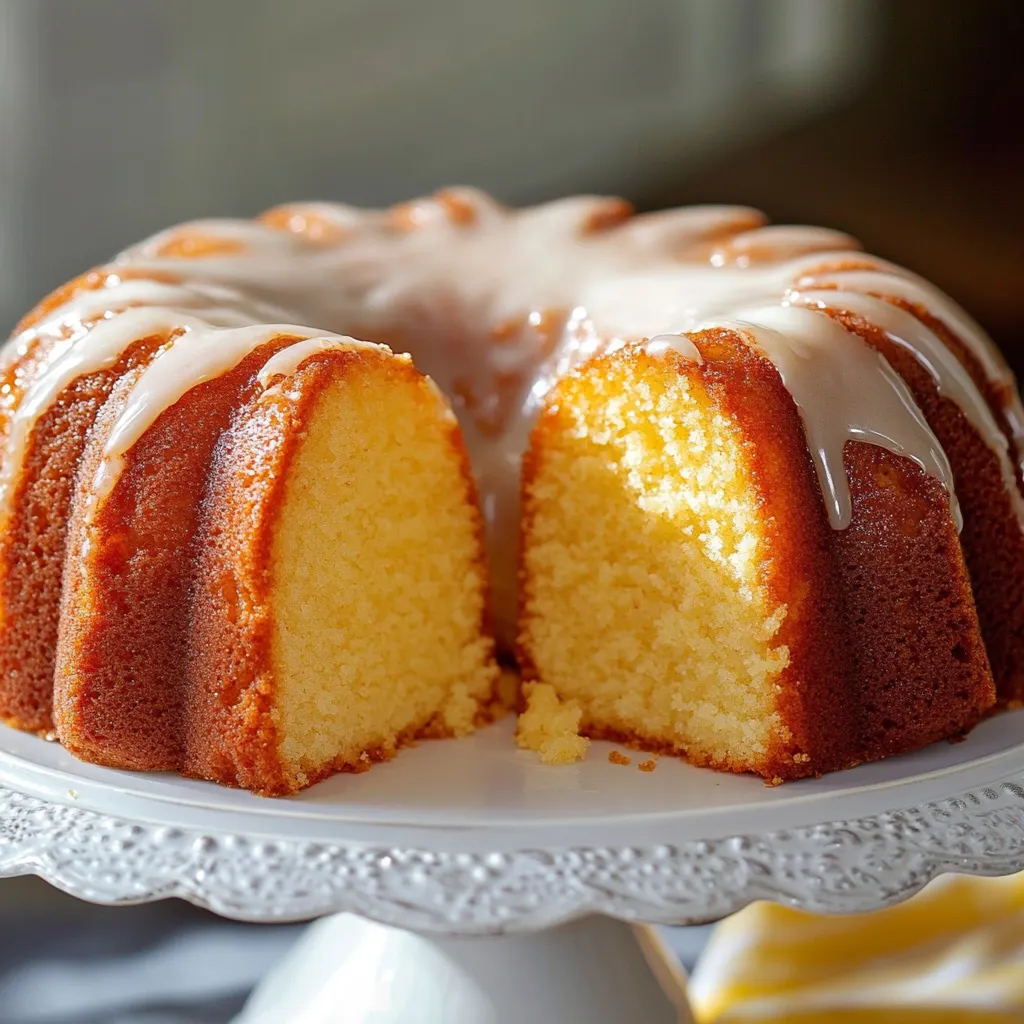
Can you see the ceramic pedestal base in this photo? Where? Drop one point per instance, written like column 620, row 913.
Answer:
column 347, row 970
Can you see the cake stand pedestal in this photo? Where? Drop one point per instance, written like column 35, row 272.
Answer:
column 465, row 882
column 353, row 970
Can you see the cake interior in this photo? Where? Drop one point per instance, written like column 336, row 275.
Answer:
column 646, row 602
column 377, row 581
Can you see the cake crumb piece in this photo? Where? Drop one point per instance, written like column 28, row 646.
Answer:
column 801, row 758
column 550, row 727
column 647, row 766
column 617, row 757
column 772, row 783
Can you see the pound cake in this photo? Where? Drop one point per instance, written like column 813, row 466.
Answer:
column 730, row 491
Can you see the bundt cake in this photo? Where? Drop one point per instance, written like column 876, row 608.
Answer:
column 750, row 496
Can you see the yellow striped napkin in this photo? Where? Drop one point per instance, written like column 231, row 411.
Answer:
column 953, row 953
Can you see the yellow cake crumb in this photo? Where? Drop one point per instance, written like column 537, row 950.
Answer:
column 647, row 766
column 358, row 555
column 550, row 727
column 645, row 552
column 617, row 757
column 461, row 710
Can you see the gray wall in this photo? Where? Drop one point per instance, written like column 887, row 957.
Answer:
column 118, row 117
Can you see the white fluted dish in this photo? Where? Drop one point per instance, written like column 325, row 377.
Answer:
column 474, row 836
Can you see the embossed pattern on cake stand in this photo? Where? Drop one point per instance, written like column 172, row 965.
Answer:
column 475, row 838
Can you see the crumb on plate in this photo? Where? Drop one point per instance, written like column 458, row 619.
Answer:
column 550, row 726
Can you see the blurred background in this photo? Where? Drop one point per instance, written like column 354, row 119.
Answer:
column 899, row 121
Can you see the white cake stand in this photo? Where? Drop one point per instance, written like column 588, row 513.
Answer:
column 545, row 868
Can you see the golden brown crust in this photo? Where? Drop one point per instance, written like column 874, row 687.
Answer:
column 230, row 728
column 124, row 622
column 920, row 668
column 32, row 546
column 992, row 539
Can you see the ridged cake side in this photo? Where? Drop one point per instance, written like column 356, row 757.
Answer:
column 32, row 550
column 991, row 537
column 125, row 609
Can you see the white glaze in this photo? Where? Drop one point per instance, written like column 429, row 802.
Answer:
column 894, row 282
column 497, row 304
column 949, row 374
column 845, row 391
column 198, row 353
column 680, row 343
column 288, row 360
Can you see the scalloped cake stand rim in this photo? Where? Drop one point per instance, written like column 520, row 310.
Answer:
column 482, row 795
column 681, row 845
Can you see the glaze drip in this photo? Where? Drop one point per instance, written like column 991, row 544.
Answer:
column 497, row 304
column 845, row 391
column 951, row 378
column 288, row 360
